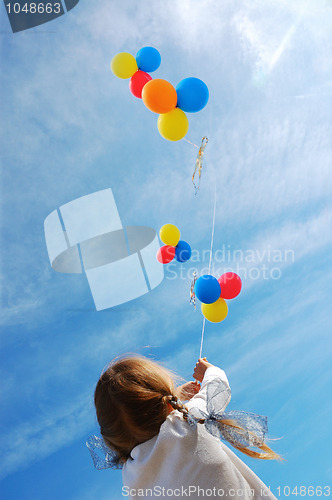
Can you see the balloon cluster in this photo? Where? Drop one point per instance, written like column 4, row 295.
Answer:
column 212, row 293
column 174, row 247
column 158, row 95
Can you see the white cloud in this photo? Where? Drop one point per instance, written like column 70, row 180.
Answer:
column 39, row 438
column 276, row 248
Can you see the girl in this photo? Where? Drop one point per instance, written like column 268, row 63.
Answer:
column 170, row 450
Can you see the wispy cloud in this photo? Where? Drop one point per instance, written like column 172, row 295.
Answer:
column 39, row 438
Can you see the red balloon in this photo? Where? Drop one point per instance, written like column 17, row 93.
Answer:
column 230, row 284
column 137, row 82
column 165, row 254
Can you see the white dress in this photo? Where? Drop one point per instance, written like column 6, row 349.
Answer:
column 182, row 461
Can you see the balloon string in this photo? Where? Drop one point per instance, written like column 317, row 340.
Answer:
column 191, row 143
column 212, row 238
column 203, row 328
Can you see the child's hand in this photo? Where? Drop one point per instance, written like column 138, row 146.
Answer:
column 200, row 369
column 187, row 390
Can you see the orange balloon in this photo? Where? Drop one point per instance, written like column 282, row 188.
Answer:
column 159, row 96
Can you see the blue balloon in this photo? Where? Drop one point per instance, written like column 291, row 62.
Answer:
column 148, row 59
column 193, row 94
column 207, row 289
column 182, row 251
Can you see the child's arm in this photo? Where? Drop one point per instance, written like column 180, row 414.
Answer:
column 187, row 391
column 205, row 372
column 201, row 366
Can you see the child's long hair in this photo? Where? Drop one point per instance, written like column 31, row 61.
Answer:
column 132, row 400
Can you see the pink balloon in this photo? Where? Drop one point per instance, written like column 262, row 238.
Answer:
column 137, row 82
column 230, row 284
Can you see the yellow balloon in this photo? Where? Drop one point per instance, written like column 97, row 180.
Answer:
column 169, row 235
column 215, row 312
column 124, row 65
column 173, row 125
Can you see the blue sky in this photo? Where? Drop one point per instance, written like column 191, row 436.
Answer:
column 71, row 128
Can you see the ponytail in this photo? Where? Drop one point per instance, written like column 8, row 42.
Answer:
column 266, row 454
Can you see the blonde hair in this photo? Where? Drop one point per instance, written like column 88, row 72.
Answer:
column 132, row 400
